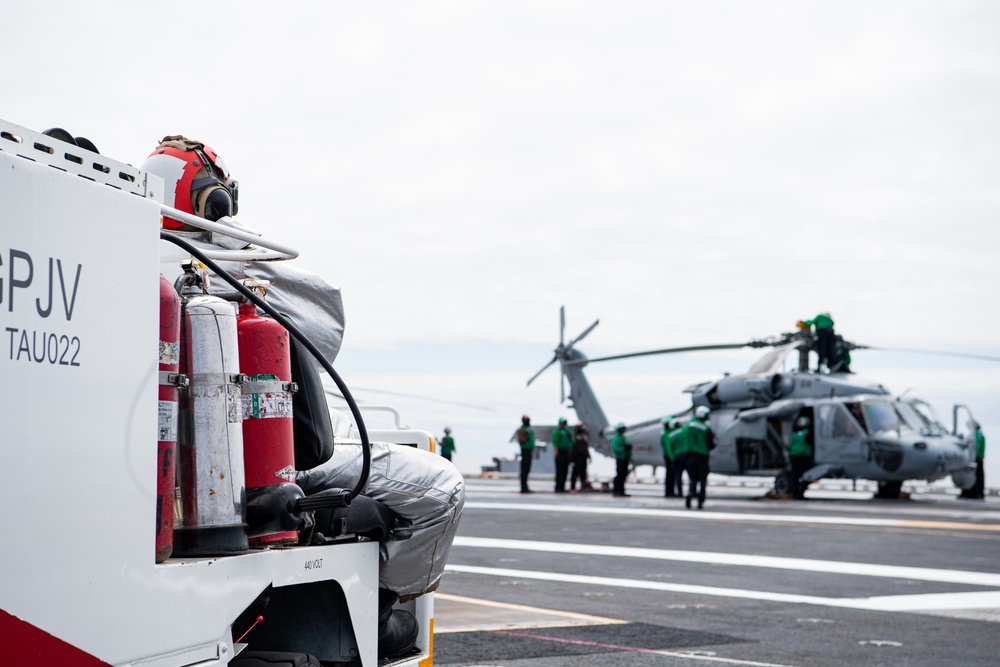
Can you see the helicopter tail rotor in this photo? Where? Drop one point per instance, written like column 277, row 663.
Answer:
column 562, row 353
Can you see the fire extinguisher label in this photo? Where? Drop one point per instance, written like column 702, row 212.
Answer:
column 272, row 405
column 287, row 473
column 233, row 407
column 167, row 421
column 170, row 352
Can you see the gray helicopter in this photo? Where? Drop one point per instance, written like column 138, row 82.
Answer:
column 861, row 431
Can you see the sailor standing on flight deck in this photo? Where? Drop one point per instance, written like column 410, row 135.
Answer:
column 621, row 449
column 526, row 439
column 580, row 456
column 980, row 487
column 447, row 443
column 978, row 490
column 678, row 445
column 700, row 441
column 670, row 485
column 562, row 443
column 801, row 454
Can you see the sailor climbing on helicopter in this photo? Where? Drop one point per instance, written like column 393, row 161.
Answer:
column 826, row 340
column 424, row 492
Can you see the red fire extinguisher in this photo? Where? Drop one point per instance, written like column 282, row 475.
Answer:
column 166, row 456
column 268, row 445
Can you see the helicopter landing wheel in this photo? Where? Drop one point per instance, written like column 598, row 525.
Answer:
column 783, row 484
column 889, row 490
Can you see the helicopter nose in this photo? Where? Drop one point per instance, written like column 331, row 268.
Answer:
column 887, row 455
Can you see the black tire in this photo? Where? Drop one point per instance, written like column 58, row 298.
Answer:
column 783, row 485
column 889, row 490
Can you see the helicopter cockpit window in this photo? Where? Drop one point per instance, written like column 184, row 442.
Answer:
column 857, row 414
column 837, row 422
column 881, row 416
column 929, row 416
column 917, row 420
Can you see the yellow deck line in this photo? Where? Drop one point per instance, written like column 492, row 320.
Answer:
column 581, row 619
column 953, row 525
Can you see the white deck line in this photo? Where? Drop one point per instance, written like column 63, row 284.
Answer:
column 745, row 560
column 892, row 603
column 732, row 516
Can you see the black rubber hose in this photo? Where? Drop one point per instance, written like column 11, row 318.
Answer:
column 366, row 447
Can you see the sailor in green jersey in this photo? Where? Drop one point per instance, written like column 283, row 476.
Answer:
column 671, row 428
column 825, row 339
column 978, row 490
column 562, row 443
column 700, row 441
column 526, row 439
column 678, row 443
column 621, row 449
column 447, row 443
column 800, row 452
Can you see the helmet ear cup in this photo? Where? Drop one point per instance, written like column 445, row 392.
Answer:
column 214, row 203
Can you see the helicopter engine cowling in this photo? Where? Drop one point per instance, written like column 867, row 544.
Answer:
column 754, row 390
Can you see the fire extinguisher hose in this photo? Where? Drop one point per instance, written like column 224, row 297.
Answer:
column 366, row 447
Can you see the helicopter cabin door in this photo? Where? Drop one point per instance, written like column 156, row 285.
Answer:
column 839, row 437
column 963, row 424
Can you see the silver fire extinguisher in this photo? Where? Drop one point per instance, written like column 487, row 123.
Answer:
column 210, row 435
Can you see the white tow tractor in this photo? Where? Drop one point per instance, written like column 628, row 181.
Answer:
column 80, row 260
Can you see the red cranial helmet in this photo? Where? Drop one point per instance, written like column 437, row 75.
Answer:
column 197, row 180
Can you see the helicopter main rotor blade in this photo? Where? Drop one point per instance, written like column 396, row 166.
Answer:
column 562, row 324
column 544, row 368
column 584, row 334
column 964, row 355
column 668, row 350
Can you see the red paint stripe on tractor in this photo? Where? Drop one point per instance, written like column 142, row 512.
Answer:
column 24, row 644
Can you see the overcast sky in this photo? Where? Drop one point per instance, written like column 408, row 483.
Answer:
column 688, row 172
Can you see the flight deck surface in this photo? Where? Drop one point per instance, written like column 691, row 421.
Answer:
column 837, row 579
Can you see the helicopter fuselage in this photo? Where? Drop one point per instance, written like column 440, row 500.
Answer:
column 859, row 430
